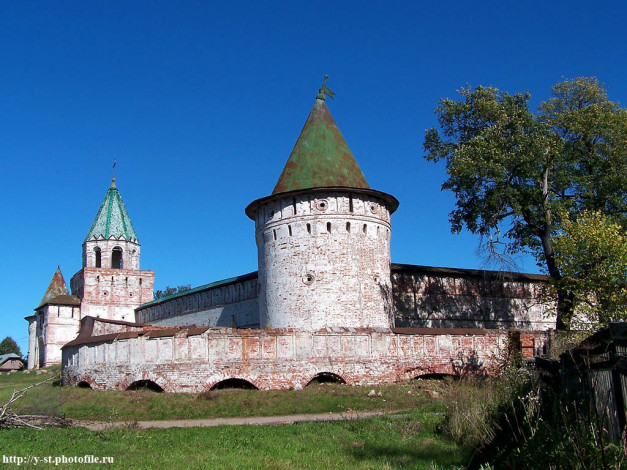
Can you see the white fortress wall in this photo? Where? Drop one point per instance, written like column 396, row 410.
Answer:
column 228, row 303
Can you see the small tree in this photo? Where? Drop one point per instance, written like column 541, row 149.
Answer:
column 8, row 346
column 159, row 294
column 591, row 253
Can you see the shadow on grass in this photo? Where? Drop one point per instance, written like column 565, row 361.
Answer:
column 422, row 454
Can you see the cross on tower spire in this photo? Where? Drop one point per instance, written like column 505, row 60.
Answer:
column 324, row 90
column 113, row 178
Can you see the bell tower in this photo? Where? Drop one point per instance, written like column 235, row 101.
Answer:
column 111, row 284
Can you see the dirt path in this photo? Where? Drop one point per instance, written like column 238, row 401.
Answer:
column 252, row 420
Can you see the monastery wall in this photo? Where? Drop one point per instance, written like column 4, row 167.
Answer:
column 229, row 303
column 195, row 359
column 463, row 298
column 423, row 297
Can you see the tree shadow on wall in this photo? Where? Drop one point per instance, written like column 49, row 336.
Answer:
column 456, row 302
column 388, row 303
column 468, row 366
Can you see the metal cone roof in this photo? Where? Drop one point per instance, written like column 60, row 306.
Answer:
column 320, row 158
column 56, row 288
column 112, row 220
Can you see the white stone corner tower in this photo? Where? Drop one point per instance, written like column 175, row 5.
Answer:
column 55, row 322
column 323, row 237
column 110, row 284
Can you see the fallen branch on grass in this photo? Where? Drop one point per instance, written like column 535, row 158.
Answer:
column 10, row 419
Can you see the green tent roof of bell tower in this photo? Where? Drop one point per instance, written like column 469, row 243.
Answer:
column 112, row 220
column 321, row 158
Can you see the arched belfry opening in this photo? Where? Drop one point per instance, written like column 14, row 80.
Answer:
column 116, row 258
column 97, row 258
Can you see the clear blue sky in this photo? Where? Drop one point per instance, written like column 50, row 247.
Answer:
column 201, row 104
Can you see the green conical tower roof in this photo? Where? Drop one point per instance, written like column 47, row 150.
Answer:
column 321, row 158
column 112, row 220
column 56, row 288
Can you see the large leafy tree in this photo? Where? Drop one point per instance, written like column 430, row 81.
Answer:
column 514, row 171
column 591, row 253
column 8, row 346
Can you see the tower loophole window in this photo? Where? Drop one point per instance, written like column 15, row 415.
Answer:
column 309, row 278
column 116, row 258
column 322, row 205
column 98, row 258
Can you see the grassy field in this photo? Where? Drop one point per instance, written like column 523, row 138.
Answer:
column 87, row 404
column 408, row 441
column 369, row 444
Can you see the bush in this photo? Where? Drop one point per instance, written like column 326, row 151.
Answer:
column 517, row 420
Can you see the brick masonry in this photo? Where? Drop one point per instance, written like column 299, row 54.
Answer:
column 230, row 303
column 423, row 297
column 324, row 259
column 49, row 329
column 426, row 296
column 110, row 355
column 112, row 293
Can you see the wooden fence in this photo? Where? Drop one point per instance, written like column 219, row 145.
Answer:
column 594, row 375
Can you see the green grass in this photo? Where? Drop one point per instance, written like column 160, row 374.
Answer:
column 86, row 404
column 408, row 442
column 19, row 380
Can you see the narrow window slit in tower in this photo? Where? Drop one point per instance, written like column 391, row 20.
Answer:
column 289, row 230
column 329, row 227
column 274, row 233
column 293, row 206
column 350, row 204
column 348, row 227
column 365, row 229
column 309, row 229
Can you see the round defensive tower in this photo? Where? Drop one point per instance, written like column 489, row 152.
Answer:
column 323, row 237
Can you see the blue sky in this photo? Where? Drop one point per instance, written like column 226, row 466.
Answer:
column 201, row 104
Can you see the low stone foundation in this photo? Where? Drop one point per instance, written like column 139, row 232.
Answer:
column 115, row 355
